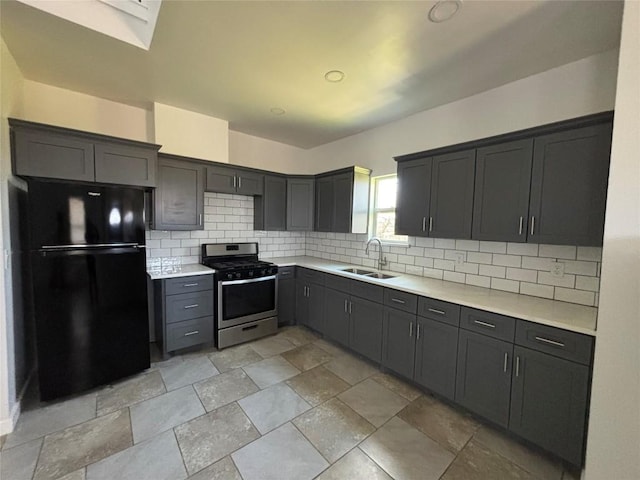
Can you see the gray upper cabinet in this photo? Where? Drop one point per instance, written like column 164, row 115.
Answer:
column 53, row 152
column 412, row 206
column 223, row 179
column 179, row 198
column 300, row 203
column 342, row 201
column 451, row 204
column 270, row 209
column 569, row 186
column 501, row 199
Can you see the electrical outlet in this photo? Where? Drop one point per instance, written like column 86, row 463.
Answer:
column 460, row 258
column 557, row 269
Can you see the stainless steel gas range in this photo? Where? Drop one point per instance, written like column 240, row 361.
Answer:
column 246, row 292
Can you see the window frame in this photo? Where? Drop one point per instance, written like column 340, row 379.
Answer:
column 374, row 211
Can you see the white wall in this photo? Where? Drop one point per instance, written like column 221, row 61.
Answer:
column 11, row 99
column 613, row 448
column 572, row 90
column 191, row 134
column 66, row 108
column 256, row 152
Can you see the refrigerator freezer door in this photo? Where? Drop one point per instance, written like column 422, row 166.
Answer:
column 91, row 317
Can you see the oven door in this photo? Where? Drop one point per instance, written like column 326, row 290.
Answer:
column 241, row 301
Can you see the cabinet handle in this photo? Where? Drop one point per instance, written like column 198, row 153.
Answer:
column 345, row 306
column 306, row 289
column 190, row 285
column 418, row 331
column 397, row 300
column 506, row 359
column 430, row 223
column 424, row 224
column 550, row 342
column 411, row 329
column 350, row 305
column 200, row 219
column 191, row 333
column 234, row 181
column 533, row 224
column 520, row 228
column 190, row 306
column 435, row 310
column 484, row 324
column 239, row 181
column 518, row 366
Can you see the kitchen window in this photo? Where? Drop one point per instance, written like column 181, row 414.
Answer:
column 383, row 210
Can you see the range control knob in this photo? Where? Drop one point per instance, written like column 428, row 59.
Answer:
column 238, row 275
column 229, row 276
column 250, row 273
column 263, row 272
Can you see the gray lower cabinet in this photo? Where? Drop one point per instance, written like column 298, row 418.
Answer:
column 223, row 179
column 183, row 312
column 310, row 301
column 398, row 341
column 286, row 296
column 336, row 312
column 483, row 380
column 270, row 208
column 365, row 328
column 179, row 197
column 300, row 203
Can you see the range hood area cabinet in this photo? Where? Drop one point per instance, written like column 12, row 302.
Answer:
column 342, row 201
column 223, row 179
column 47, row 151
column 547, row 185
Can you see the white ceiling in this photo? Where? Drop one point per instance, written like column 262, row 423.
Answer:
column 236, row 60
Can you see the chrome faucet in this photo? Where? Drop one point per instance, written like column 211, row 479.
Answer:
column 382, row 261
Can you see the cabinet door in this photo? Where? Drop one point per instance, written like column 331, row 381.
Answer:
column 272, row 205
column 324, row 204
column 501, row 199
column 365, row 333
column 483, row 379
column 125, row 165
column 451, row 205
column 302, row 303
column 179, row 198
column 569, row 186
column 249, row 183
column 342, row 202
column 436, row 356
column 221, row 179
column 316, row 315
column 398, row 341
column 40, row 154
column 286, row 301
column 336, row 309
column 412, row 206
column 300, row 203
column 549, row 403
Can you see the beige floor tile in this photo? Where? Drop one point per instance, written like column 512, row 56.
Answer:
column 477, row 462
column 299, row 335
column 317, row 385
column 207, row 439
column 373, row 401
column 273, row 406
column 19, row 463
column 234, row 357
column 270, row 346
column 221, row 470
column 450, row 428
column 307, row 356
column 355, row 465
column 333, row 428
column 271, row 371
column 225, row 388
column 533, row 462
column 130, row 392
column 331, row 348
column 190, row 370
column 407, row 454
column 397, row 386
column 77, row 446
column 80, row 474
column 351, row 369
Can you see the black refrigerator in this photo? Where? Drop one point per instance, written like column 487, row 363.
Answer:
column 89, row 284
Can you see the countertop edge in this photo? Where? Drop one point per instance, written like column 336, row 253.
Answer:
column 185, row 271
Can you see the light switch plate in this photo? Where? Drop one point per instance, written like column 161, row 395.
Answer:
column 557, row 269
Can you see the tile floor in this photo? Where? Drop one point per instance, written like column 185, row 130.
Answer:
column 291, row 406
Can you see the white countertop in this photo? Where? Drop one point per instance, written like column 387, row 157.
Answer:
column 178, row 271
column 569, row 316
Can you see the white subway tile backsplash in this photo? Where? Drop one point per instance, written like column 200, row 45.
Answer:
column 179, row 235
column 424, row 262
column 506, row 285
column 470, row 245
column 477, row 257
column 530, row 249
column 454, row 277
column 424, row 242
column 507, row 260
column 434, row 252
column 522, row 275
column 590, row 254
column 433, row 273
column 565, row 252
column 581, row 268
column 444, row 264
column 444, row 243
column 536, row 290
column 587, row 283
column 492, row 271
column 574, row 296
column 567, row 281
column 471, row 268
column 406, row 259
column 169, row 243
column 493, row 247
column 537, row 263
column 479, row 281
column 414, row 270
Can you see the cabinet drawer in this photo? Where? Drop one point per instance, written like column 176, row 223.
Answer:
column 195, row 283
column 188, row 305
column 368, row 291
column 286, row 272
column 339, row 283
column 437, row 310
column 309, row 275
column 491, row 324
column 406, row 302
column 189, row 333
column 555, row 341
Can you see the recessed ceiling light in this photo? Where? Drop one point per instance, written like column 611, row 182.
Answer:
column 334, row 76
column 444, row 10
column 278, row 111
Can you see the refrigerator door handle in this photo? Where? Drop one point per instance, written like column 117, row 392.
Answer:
column 94, row 245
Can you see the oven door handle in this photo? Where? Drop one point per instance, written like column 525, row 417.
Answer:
column 248, row 280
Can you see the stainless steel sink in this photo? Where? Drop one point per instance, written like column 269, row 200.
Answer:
column 368, row 273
